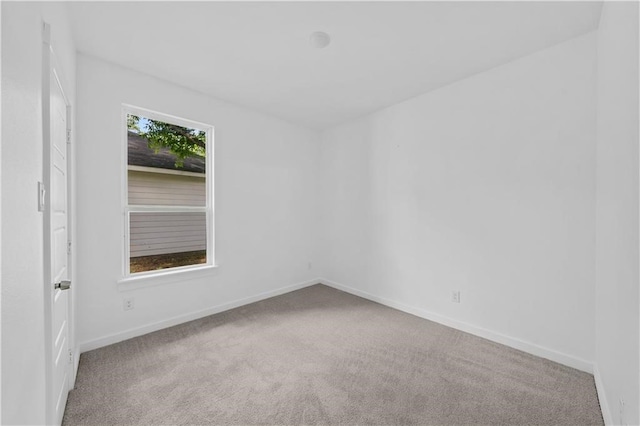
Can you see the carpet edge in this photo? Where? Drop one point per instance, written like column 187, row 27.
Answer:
column 522, row 345
column 180, row 319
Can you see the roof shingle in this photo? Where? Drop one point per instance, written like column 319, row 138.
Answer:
column 139, row 154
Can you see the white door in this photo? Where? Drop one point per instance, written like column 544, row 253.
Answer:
column 57, row 212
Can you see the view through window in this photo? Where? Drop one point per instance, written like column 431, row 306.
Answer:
column 167, row 199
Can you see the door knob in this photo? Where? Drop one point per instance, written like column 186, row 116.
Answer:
column 63, row 285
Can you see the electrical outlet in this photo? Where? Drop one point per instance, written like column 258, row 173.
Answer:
column 455, row 296
column 128, row 304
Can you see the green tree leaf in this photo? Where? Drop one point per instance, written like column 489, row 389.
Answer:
column 181, row 141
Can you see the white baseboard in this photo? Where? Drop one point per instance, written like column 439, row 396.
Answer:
column 522, row 345
column 513, row 342
column 149, row 328
column 76, row 364
column 604, row 405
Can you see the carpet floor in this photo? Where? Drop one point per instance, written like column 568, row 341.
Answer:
column 322, row 356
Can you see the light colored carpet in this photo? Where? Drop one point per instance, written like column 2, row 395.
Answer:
column 322, row 356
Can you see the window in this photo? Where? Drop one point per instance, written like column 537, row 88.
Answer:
column 168, row 205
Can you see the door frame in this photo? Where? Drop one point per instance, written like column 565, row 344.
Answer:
column 50, row 66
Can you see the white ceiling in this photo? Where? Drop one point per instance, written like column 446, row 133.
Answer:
column 258, row 54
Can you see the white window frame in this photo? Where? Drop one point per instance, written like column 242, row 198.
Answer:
column 127, row 209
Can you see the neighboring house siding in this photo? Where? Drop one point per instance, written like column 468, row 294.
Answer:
column 163, row 233
column 166, row 189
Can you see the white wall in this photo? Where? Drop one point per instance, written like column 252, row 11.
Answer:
column 486, row 186
column 1, row 92
column 265, row 212
column 23, row 380
column 617, row 303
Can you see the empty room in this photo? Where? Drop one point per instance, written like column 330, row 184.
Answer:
column 320, row 212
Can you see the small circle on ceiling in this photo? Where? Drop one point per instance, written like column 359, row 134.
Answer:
column 319, row 39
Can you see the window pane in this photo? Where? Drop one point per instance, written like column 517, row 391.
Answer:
column 166, row 190
column 166, row 163
column 166, row 240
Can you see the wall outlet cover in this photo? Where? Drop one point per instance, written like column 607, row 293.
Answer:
column 128, row 304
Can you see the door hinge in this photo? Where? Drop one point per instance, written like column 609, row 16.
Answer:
column 68, row 247
column 68, row 136
column 70, row 356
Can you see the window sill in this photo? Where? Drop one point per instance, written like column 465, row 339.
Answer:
column 135, row 282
